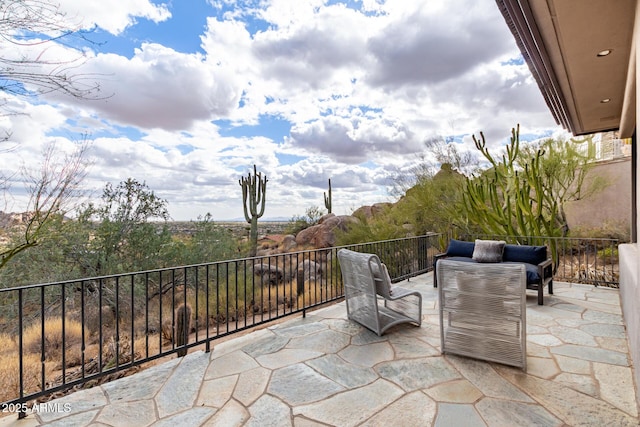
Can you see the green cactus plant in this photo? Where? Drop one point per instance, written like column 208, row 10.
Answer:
column 254, row 189
column 327, row 198
column 512, row 199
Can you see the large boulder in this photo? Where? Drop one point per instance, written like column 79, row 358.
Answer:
column 371, row 211
column 289, row 243
column 269, row 274
column 323, row 234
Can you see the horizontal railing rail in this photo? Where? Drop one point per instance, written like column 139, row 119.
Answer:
column 78, row 333
column 592, row 261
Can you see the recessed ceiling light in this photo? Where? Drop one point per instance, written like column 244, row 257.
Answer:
column 604, row 52
column 604, row 101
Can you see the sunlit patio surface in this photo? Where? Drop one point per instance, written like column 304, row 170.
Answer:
column 325, row 370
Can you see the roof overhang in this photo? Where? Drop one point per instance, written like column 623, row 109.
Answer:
column 560, row 41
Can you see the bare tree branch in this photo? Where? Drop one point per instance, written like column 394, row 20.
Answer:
column 53, row 190
column 32, row 26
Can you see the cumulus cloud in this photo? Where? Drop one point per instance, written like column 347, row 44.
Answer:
column 161, row 88
column 312, row 53
column 114, row 16
column 354, row 140
column 425, row 47
column 361, row 85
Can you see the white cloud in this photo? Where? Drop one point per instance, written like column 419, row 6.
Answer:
column 361, row 89
column 160, row 88
column 114, row 16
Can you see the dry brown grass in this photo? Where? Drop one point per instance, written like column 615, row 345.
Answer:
column 7, row 345
column 53, row 340
column 315, row 292
column 140, row 344
column 10, row 370
column 270, row 297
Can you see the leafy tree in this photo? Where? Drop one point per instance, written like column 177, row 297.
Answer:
column 432, row 204
column 120, row 236
column 429, row 202
column 408, row 178
column 563, row 169
column 208, row 243
column 445, row 152
column 44, row 262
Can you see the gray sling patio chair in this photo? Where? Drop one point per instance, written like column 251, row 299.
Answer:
column 371, row 300
column 483, row 311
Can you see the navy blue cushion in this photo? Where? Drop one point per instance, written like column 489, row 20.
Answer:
column 460, row 248
column 533, row 277
column 527, row 254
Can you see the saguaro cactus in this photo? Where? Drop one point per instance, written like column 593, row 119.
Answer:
column 182, row 328
column 327, row 199
column 254, row 189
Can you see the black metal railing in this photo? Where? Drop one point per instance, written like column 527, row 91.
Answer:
column 79, row 333
column 592, row 261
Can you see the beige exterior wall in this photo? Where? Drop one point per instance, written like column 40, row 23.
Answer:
column 629, row 254
column 610, row 208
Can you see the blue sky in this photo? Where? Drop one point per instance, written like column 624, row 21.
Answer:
column 180, row 32
column 194, row 93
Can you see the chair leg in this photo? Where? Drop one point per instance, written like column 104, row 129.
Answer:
column 540, row 289
column 435, row 276
column 550, row 287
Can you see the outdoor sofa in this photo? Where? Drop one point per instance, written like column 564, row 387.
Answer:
column 538, row 265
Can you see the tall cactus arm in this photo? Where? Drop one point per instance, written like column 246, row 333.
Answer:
column 261, row 197
column 327, row 199
column 245, row 193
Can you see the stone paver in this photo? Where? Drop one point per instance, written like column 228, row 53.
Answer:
column 181, row 389
column 324, row 370
column 455, row 414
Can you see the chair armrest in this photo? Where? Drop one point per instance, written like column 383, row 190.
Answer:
column 437, row 257
column 545, row 271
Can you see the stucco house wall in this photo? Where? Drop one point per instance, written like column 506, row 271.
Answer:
column 610, row 208
column 629, row 254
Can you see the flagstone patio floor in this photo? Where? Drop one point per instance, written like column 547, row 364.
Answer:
column 324, row 370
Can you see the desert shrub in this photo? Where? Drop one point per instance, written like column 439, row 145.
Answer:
column 300, row 222
column 384, row 226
